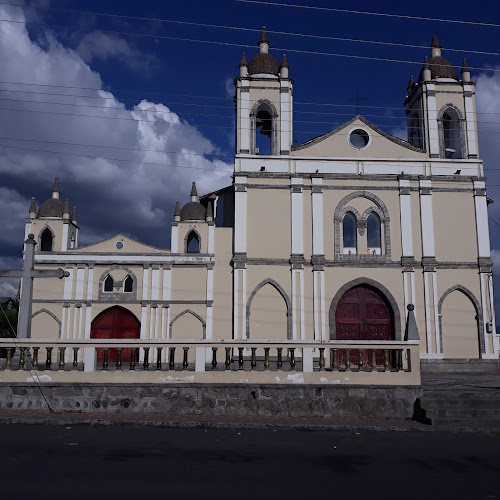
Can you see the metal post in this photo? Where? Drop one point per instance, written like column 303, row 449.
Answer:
column 214, row 358
column 75, row 358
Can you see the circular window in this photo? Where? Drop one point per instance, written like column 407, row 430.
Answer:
column 119, row 245
column 359, row 139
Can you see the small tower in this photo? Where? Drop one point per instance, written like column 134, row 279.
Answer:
column 263, row 100
column 440, row 109
column 54, row 226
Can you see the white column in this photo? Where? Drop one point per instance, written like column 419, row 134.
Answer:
column 297, row 219
column 235, row 304
column 174, row 239
column 80, row 280
column 317, row 215
column 240, row 216
column 63, row 321
column 65, row 231
column 483, row 235
column 322, row 305
column 210, row 297
column 145, row 283
column 302, row 306
column 167, row 284
column 496, row 347
column 427, row 219
column 155, row 284
column 406, row 228
column 316, row 306
column 432, row 123
column 295, row 311
column 90, row 284
column 88, row 321
column 470, row 120
column 436, row 312
column 68, row 284
column 244, row 118
column 243, row 303
column 428, row 332
column 487, row 346
column 285, row 117
column 211, row 238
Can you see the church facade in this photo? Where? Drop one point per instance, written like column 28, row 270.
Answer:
column 330, row 239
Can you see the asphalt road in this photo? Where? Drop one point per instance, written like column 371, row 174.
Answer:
column 96, row 462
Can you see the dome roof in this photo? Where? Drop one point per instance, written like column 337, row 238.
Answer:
column 51, row 208
column 263, row 63
column 193, row 211
column 440, row 68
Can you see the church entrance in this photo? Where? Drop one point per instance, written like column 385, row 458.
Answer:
column 116, row 323
column 363, row 313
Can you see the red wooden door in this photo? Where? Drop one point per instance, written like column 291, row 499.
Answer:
column 115, row 323
column 363, row 314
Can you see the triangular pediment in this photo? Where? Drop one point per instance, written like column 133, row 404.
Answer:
column 119, row 244
column 336, row 143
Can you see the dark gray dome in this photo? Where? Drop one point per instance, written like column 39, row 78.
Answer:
column 263, row 63
column 193, row 211
column 51, row 208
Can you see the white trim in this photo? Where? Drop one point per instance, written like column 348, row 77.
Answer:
column 64, row 242
column 145, row 283
column 243, row 304
column 302, row 307
column 163, row 324
column 167, row 329
column 431, row 355
column 364, row 129
column 294, row 304
column 208, row 324
column 244, row 119
column 413, row 295
column 432, row 123
column 427, row 222
column 322, row 302
column 285, row 120
column 88, row 321
column 493, row 318
column 405, row 290
column 167, row 284
column 483, row 236
column 406, row 227
column 151, row 322
column 155, row 284
column 174, row 240
column 487, row 346
column 317, row 335
column 297, row 219
column 210, row 284
column 68, row 284
column 67, row 333
column 317, row 218
column 470, row 121
column 436, row 313
column 144, row 312
column 211, row 238
column 427, row 313
column 236, row 332
column 80, row 279
column 90, row 283
column 240, row 221
column 63, row 322
column 156, row 325
column 72, row 334
column 111, row 258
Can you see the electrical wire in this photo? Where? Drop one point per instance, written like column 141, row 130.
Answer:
column 239, row 28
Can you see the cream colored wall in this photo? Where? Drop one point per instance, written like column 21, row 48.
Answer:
column 268, row 226
column 129, row 246
column 43, row 325
column 416, row 224
column 56, row 225
column 268, row 315
column 185, row 228
column 460, row 338
column 223, row 284
column 454, row 227
column 189, row 283
column 48, row 288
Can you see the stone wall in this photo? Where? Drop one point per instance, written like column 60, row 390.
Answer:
column 197, row 399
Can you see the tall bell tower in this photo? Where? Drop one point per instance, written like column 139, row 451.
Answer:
column 264, row 106
column 441, row 109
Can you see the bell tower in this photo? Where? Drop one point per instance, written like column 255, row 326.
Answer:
column 441, row 109
column 264, row 107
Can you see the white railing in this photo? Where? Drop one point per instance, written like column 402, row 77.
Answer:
column 371, row 362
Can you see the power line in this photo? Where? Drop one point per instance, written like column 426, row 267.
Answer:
column 382, row 14
column 232, row 44
column 240, row 28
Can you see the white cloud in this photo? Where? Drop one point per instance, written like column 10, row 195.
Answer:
column 101, row 46
column 136, row 196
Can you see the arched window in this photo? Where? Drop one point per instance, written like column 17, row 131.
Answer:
column 128, row 284
column 264, row 129
column 108, row 284
column 46, row 240
column 193, row 243
column 451, row 134
column 373, row 234
column 349, row 232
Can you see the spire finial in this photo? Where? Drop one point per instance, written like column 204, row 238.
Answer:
column 435, row 42
column 411, row 83
column 210, row 213
column 177, row 212
column 465, row 71
column 33, row 206
column 56, row 189
column 243, row 61
column 263, row 37
column 66, row 209
column 74, row 215
column 194, row 193
column 284, row 62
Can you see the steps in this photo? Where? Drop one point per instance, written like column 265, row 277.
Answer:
column 460, row 400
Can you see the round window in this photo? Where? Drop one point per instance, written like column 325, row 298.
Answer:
column 119, row 245
column 359, row 139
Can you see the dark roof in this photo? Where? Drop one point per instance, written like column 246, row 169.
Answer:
column 263, row 63
column 51, row 208
column 263, row 37
column 193, row 211
column 440, row 68
column 435, row 42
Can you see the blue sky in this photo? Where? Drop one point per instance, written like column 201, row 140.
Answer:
column 148, row 77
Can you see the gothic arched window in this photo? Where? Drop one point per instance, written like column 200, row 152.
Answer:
column 128, row 284
column 108, row 284
column 192, row 243
column 373, row 234
column 451, row 134
column 46, row 240
column 349, row 232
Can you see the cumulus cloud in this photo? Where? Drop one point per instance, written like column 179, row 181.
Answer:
column 101, row 46
column 149, row 156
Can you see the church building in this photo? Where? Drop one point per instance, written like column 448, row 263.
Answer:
column 330, row 239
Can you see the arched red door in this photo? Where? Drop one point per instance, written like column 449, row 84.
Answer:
column 363, row 314
column 115, row 323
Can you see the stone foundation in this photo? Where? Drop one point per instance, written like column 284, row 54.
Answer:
column 202, row 399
